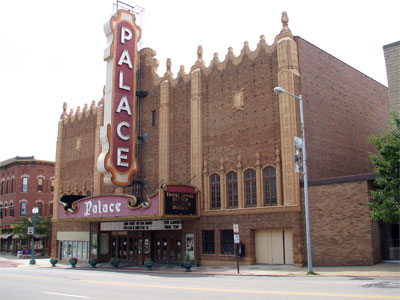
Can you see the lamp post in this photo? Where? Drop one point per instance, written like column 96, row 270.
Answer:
column 279, row 90
column 35, row 211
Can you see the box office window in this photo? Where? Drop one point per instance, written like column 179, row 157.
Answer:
column 227, row 245
column 208, row 242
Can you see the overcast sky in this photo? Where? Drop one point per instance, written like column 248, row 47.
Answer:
column 52, row 51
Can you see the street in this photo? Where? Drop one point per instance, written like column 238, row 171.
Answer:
column 53, row 283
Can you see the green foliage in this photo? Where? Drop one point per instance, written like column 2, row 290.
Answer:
column 386, row 196
column 43, row 227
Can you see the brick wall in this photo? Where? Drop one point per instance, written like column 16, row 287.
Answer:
column 342, row 108
column 341, row 230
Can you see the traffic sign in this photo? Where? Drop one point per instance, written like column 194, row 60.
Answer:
column 30, row 230
column 236, row 238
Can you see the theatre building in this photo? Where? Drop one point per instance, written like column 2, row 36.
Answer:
column 166, row 167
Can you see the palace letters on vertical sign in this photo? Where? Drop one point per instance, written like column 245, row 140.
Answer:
column 118, row 136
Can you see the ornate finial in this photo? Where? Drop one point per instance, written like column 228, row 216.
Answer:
column 277, row 156
column 215, row 59
column 246, row 45
column 284, row 19
column 78, row 110
column 239, row 164
column 169, row 65
column 230, row 51
column 258, row 163
column 205, row 170
column 262, row 37
column 285, row 28
column 85, row 108
column 221, row 164
column 71, row 112
column 200, row 52
column 182, row 69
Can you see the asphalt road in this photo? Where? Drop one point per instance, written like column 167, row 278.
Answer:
column 66, row 284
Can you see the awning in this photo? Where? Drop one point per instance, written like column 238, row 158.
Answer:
column 17, row 236
column 6, row 236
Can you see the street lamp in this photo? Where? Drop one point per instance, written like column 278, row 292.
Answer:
column 279, row 90
column 35, row 211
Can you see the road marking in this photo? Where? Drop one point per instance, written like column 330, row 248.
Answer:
column 214, row 290
column 67, row 295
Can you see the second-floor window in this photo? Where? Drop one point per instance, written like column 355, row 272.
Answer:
column 24, row 185
column 40, row 185
column 22, row 211
column 250, row 188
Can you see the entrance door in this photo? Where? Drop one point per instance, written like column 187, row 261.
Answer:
column 274, row 246
column 167, row 247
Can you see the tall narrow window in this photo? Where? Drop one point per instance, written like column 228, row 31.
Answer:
column 153, row 117
column 52, row 185
column 270, row 186
column 2, row 188
column 7, row 183
column 1, row 211
column 215, row 192
column 208, row 243
column 40, row 206
column 11, row 209
column 22, row 211
column 40, row 185
column 12, row 185
column 5, row 209
column 24, row 184
column 232, row 189
column 51, row 209
column 250, row 188
column 227, row 245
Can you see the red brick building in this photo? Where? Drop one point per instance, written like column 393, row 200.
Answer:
column 25, row 182
column 222, row 131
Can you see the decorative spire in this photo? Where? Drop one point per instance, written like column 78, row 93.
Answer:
column 169, row 65
column 285, row 21
column 64, row 113
column 181, row 70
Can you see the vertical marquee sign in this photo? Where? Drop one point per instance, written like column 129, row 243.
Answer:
column 118, row 136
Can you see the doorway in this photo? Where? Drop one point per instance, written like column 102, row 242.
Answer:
column 167, row 247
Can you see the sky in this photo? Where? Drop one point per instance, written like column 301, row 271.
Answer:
column 51, row 51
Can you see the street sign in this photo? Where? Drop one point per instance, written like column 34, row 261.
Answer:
column 235, row 228
column 236, row 238
column 30, row 230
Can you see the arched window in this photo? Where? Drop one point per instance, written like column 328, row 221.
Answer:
column 40, row 206
column 232, row 189
column 7, row 183
column 269, row 186
column 1, row 211
column 5, row 209
column 24, row 187
column 215, row 188
column 250, row 188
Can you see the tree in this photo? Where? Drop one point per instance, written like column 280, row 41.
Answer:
column 43, row 228
column 385, row 206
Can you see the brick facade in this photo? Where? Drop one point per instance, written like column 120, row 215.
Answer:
column 40, row 182
column 225, row 119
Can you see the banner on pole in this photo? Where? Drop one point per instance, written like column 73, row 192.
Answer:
column 298, row 154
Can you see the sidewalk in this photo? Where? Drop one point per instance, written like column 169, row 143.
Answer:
column 384, row 269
